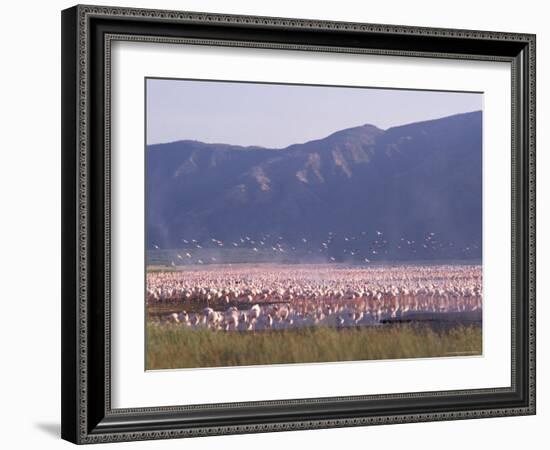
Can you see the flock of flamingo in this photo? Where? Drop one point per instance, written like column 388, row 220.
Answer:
column 274, row 297
column 364, row 246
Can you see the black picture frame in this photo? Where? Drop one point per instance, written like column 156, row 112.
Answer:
column 87, row 416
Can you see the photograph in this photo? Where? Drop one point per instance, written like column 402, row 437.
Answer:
column 296, row 223
column 273, row 223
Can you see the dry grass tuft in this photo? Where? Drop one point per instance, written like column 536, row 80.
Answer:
column 170, row 347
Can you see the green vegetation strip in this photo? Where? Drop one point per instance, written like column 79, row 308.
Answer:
column 173, row 346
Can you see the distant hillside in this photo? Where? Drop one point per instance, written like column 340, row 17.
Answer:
column 420, row 182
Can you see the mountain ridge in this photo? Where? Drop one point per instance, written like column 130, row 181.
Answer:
column 407, row 180
column 357, row 127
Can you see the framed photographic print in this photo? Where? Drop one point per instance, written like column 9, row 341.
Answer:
column 278, row 224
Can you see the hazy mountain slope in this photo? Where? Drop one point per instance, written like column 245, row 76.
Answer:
column 406, row 182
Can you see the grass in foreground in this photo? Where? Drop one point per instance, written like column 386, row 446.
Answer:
column 171, row 347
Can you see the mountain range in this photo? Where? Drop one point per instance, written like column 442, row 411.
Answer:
column 419, row 183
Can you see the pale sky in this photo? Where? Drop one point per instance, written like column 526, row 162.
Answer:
column 277, row 115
